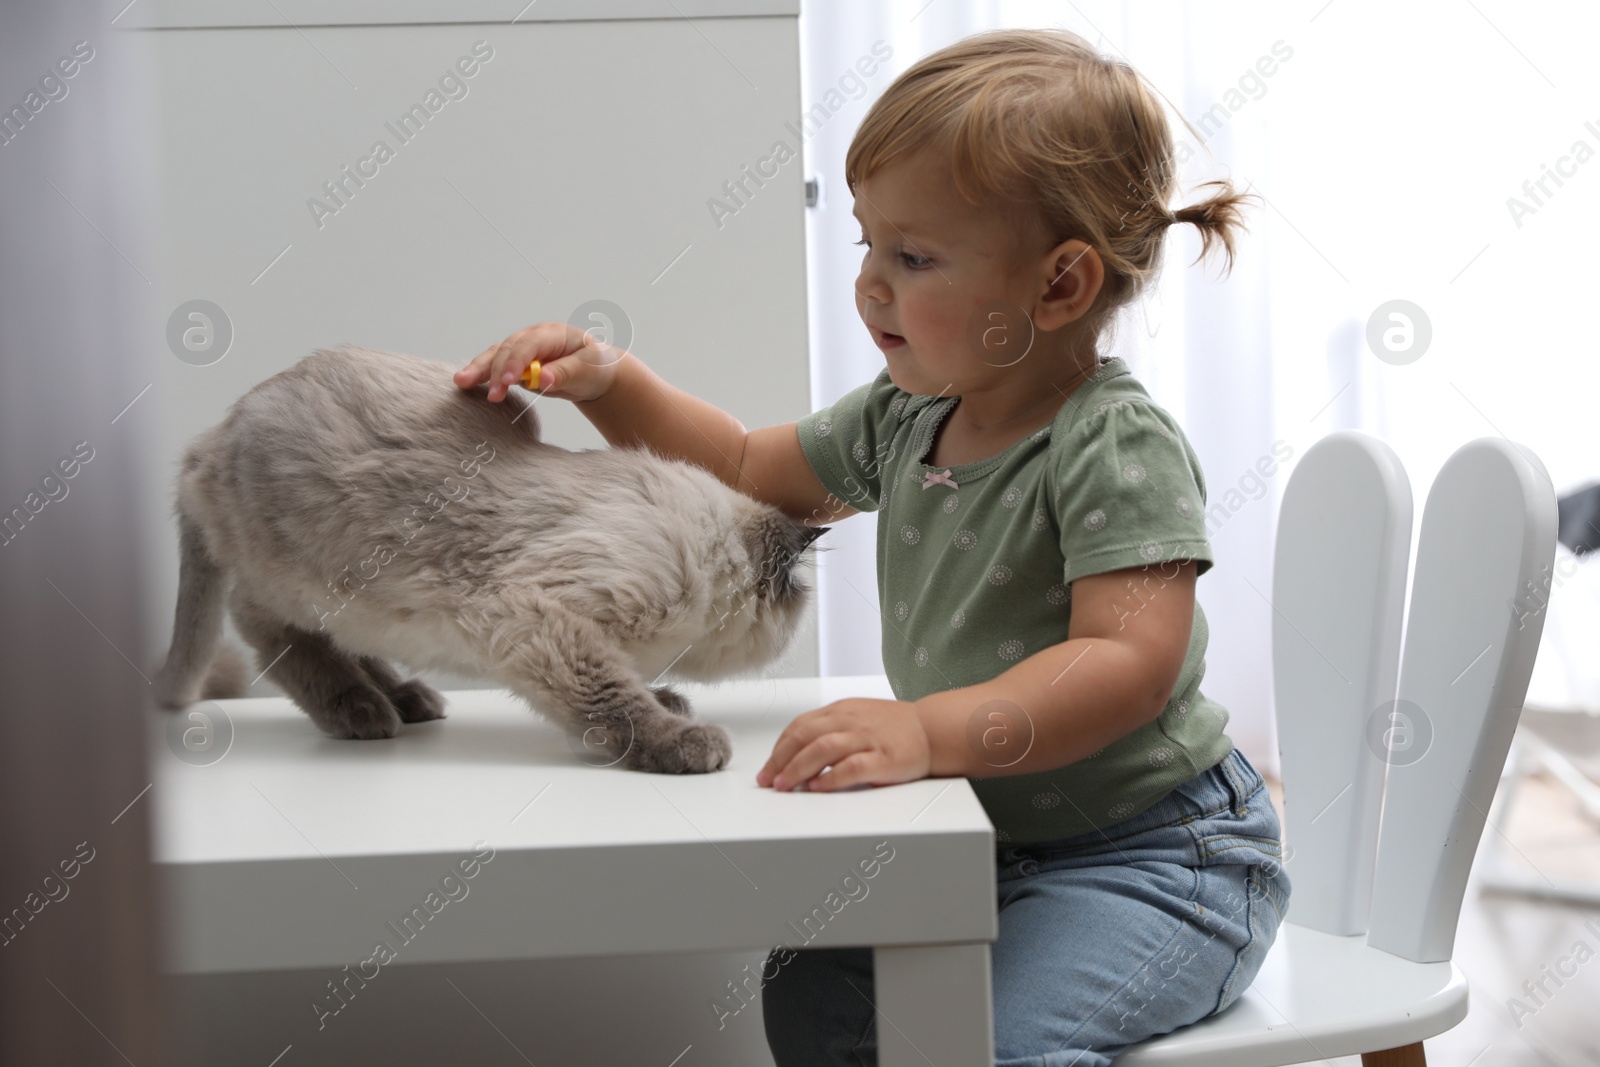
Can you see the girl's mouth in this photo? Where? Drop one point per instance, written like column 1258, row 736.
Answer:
column 889, row 340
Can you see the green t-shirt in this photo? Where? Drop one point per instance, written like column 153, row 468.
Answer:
column 975, row 564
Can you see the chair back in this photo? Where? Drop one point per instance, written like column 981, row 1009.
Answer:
column 1482, row 578
column 1338, row 590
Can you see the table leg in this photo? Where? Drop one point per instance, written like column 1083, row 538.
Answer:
column 935, row 1005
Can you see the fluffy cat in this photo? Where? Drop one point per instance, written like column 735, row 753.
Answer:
column 361, row 507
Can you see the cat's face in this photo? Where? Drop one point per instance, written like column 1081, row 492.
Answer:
column 761, row 598
column 776, row 549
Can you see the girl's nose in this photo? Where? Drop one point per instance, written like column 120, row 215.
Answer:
column 870, row 290
column 869, row 281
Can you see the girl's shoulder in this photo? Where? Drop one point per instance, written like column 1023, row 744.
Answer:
column 1110, row 400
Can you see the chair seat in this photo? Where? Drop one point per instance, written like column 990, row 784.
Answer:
column 1317, row 996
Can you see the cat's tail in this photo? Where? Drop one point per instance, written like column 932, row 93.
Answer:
column 198, row 665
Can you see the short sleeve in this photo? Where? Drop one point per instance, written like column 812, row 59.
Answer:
column 849, row 444
column 1129, row 492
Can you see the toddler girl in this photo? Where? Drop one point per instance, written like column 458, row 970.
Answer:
column 1040, row 532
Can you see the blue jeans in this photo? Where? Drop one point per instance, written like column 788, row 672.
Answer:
column 1106, row 938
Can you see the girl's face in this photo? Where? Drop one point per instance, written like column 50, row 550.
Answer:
column 936, row 274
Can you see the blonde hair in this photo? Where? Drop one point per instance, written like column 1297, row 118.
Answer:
column 1039, row 119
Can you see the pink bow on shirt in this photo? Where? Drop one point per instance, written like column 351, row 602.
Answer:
column 932, row 478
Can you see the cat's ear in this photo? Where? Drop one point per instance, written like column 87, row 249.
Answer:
column 795, row 537
column 811, row 533
column 776, row 543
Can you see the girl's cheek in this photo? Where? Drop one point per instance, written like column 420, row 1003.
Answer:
column 945, row 322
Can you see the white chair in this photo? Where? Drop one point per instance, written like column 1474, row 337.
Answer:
column 1362, row 963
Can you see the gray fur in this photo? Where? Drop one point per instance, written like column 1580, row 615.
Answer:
column 360, row 507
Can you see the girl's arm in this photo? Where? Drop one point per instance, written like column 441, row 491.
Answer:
column 641, row 408
column 1114, row 673
column 632, row 406
column 1126, row 642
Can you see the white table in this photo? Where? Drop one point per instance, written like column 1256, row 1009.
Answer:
column 293, row 850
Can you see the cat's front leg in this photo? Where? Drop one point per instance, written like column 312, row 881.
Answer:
column 568, row 668
column 673, row 700
column 620, row 722
column 630, row 725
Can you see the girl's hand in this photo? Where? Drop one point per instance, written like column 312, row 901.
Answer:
column 871, row 742
column 575, row 365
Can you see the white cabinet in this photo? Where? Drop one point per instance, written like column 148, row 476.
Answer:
column 434, row 177
column 581, row 159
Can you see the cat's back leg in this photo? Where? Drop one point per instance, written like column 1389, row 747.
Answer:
column 326, row 682
column 414, row 699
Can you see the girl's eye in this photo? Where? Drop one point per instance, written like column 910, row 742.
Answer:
column 913, row 261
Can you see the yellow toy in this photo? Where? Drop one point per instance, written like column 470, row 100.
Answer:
column 530, row 377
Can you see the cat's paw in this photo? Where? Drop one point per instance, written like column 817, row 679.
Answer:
column 171, row 696
column 698, row 748
column 417, row 701
column 673, row 700
column 361, row 713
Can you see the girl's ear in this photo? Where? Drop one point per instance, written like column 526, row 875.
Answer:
column 1070, row 278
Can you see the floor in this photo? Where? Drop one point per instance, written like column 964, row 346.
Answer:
column 1505, row 940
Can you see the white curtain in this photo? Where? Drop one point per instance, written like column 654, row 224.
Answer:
column 1387, row 141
